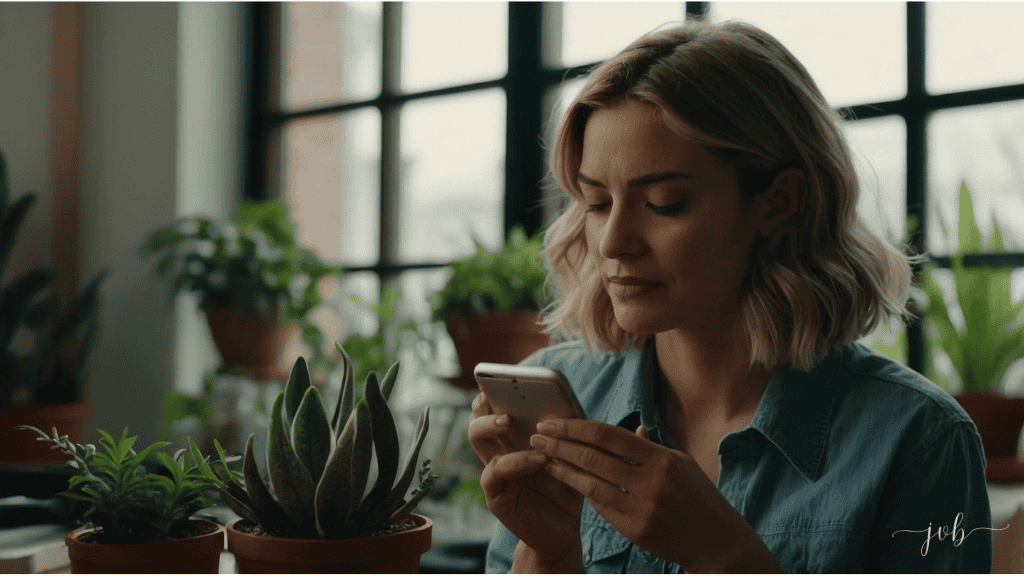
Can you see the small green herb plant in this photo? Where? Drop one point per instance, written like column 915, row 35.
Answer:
column 252, row 262
column 991, row 334
column 125, row 504
column 320, row 468
column 505, row 280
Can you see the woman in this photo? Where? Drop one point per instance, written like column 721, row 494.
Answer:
column 715, row 274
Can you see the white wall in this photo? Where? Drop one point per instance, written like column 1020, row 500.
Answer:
column 26, row 122
column 160, row 138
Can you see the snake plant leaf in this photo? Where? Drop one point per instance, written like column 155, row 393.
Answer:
column 311, row 433
column 292, row 483
column 13, row 217
column 970, row 236
column 397, row 496
column 14, row 299
column 362, row 456
column 388, row 382
column 295, row 389
column 346, row 398
column 332, row 492
column 385, row 439
column 271, row 515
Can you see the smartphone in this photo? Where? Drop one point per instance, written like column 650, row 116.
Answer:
column 529, row 394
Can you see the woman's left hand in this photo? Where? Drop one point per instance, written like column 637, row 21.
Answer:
column 658, row 498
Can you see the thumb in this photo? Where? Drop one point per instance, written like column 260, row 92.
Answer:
column 642, row 432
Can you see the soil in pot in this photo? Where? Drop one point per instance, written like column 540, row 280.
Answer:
column 196, row 554
column 392, row 553
column 21, row 447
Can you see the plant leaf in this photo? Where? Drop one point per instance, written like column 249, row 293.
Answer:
column 298, row 383
column 311, row 434
column 272, row 517
column 346, row 398
column 397, row 496
column 385, row 439
column 292, row 484
column 333, row 492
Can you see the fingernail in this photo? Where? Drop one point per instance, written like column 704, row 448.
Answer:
column 502, row 420
column 539, row 442
column 546, row 427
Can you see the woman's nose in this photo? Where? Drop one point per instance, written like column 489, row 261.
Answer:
column 620, row 236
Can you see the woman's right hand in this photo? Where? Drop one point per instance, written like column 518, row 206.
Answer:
column 541, row 511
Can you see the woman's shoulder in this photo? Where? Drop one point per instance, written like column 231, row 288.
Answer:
column 883, row 379
column 890, row 399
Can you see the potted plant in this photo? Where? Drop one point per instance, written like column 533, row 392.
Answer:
column 45, row 344
column 319, row 513
column 491, row 304
column 255, row 283
column 138, row 522
column 982, row 345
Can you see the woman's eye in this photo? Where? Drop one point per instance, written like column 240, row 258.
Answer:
column 595, row 207
column 672, row 208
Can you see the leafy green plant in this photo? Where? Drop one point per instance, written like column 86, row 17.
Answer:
column 320, row 468
column 512, row 278
column 125, row 504
column 252, row 262
column 991, row 335
column 54, row 368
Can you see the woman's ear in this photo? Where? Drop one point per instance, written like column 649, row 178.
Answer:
column 783, row 200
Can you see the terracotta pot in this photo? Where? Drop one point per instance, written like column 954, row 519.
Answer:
column 195, row 555
column 999, row 420
column 20, row 446
column 246, row 339
column 395, row 553
column 506, row 338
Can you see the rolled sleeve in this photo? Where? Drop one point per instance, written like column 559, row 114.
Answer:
column 934, row 516
column 501, row 551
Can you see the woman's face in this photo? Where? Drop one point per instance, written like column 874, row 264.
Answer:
column 665, row 223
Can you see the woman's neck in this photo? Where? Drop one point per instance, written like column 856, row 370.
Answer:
column 711, row 374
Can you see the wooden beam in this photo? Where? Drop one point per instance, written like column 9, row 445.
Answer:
column 65, row 168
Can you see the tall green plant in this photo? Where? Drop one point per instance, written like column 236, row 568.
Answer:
column 53, row 370
column 992, row 335
column 320, row 467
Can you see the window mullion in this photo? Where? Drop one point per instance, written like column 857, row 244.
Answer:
column 524, row 161
column 390, row 156
column 915, row 117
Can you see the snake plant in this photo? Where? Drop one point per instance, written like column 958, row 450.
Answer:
column 320, row 468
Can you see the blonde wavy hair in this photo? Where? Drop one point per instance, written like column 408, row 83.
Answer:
column 819, row 281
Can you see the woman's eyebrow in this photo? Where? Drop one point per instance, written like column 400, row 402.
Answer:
column 644, row 180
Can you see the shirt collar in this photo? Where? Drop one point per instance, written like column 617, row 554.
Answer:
column 795, row 412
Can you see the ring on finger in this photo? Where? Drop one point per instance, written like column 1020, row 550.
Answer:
column 630, row 462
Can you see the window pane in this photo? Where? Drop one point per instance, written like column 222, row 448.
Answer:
column 879, row 152
column 981, row 145
column 594, row 31
column 556, row 102
column 446, row 43
column 452, row 175
column 829, row 39
column 330, row 53
column 332, row 183
column 973, row 45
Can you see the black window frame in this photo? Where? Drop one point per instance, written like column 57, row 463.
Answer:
column 526, row 83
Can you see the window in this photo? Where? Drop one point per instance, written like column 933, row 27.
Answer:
column 400, row 131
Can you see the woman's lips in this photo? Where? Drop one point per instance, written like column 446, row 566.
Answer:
column 625, row 286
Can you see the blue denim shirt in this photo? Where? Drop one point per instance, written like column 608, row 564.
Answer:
column 842, row 469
